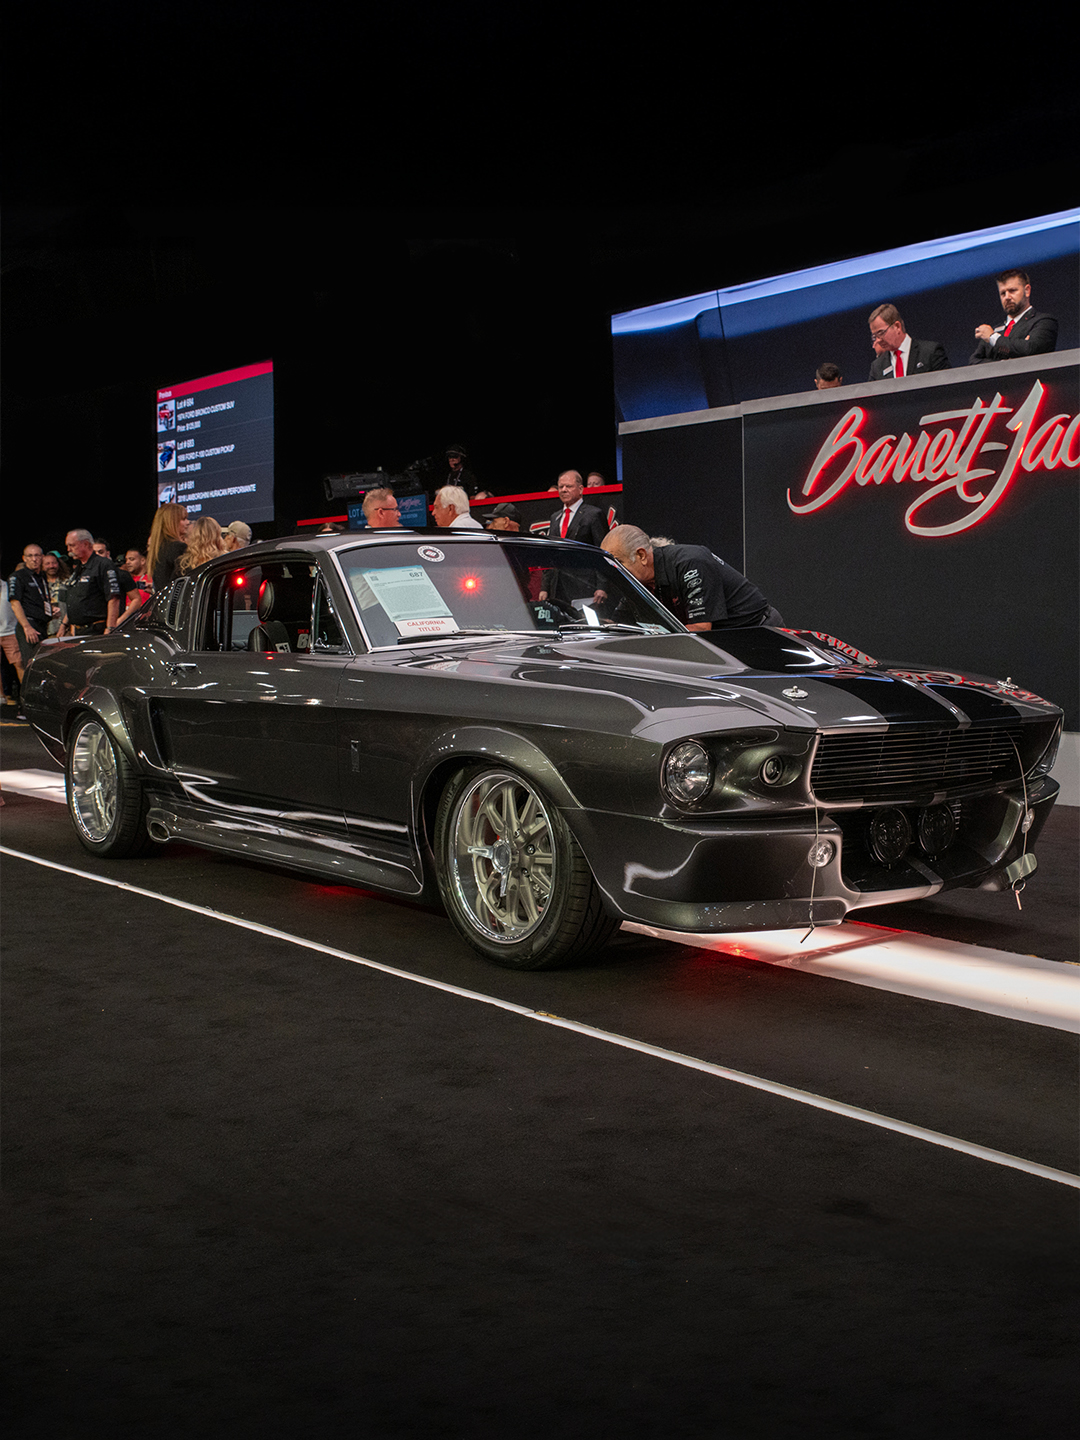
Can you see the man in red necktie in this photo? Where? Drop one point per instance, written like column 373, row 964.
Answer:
column 1024, row 332
column 898, row 353
column 574, row 521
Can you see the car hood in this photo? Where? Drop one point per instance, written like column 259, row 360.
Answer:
column 684, row 679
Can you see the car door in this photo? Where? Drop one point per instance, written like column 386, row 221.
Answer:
column 248, row 720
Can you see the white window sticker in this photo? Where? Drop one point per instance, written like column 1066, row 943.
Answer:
column 437, row 625
column 409, row 598
column 430, row 552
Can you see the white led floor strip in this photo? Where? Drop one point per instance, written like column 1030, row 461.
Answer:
column 738, row 1077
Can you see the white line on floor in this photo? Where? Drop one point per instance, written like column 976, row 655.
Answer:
column 738, row 1077
column 949, row 972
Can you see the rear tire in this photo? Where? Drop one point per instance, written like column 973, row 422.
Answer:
column 513, row 879
column 104, row 795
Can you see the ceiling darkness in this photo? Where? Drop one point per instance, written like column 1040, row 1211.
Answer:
column 423, row 271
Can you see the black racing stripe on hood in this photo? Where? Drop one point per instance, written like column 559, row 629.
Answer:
column 977, row 704
column 895, row 700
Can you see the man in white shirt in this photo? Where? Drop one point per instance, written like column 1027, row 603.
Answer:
column 898, row 354
column 451, row 509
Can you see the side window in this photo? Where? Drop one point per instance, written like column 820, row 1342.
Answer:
column 231, row 609
column 260, row 608
column 327, row 633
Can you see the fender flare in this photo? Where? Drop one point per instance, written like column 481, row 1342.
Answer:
column 101, row 703
column 463, row 745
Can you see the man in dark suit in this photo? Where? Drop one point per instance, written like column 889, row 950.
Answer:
column 1023, row 332
column 574, row 521
column 898, row 354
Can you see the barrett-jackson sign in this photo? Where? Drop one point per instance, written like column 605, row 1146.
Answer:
column 963, row 461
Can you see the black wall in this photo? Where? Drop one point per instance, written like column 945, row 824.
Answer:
column 998, row 598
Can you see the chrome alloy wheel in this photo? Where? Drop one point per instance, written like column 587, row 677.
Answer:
column 93, row 783
column 502, row 857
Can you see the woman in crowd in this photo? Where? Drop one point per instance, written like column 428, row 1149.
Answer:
column 168, row 540
column 203, row 543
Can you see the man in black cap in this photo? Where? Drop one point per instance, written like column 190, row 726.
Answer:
column 459, row 475
column 504, row 517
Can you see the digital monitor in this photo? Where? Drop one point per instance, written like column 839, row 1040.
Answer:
column 215, row 444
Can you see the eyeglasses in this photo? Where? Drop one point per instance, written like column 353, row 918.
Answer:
column 877, row 334
column 387, row 509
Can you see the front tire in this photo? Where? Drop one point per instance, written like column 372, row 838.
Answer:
column 104, row 796
column 512, row 877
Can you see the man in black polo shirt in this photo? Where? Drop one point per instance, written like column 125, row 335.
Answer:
column 92, row 595
column 28, row 591
column 696, row 585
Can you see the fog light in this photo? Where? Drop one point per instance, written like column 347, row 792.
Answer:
column 937, row 829
column 687, row 774
column 820, row 854
column 772, row 772
column 1028, row 821
column 890, row 836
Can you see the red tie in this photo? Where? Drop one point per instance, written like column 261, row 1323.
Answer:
column 565, row 523
column 1008, row 327
column 898, row 366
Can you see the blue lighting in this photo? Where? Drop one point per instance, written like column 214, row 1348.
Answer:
column 825, row 289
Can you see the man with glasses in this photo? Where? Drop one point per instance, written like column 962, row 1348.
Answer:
column 28, row 591
column 381, row 509
column 898, row 354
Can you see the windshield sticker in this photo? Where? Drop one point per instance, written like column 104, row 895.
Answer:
column 439, row 625
column 430, row 552
column 409, row 598
column 365, row 596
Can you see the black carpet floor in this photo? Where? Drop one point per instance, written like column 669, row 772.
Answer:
column 253, row 1191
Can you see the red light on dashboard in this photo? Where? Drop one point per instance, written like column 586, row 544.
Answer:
column 238, row 580
column 470, row 583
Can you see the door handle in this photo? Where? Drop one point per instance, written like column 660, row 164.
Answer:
column 181, row 668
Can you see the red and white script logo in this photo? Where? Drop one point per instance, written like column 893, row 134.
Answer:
column 946, row 461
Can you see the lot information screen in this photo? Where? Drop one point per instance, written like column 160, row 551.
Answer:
column 215, row 444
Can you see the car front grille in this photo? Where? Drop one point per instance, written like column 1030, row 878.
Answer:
column 913, row 762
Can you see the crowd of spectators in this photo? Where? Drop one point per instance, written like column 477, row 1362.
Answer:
column 85, row 591
column 82, row 590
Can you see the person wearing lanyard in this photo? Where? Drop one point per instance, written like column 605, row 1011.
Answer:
column 92, row 595
column 28, row 591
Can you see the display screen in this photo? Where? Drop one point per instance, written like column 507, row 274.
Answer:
column 215, row 444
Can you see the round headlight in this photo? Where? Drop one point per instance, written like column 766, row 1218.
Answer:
column 687, row 773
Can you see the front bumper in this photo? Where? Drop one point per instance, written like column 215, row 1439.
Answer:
column 713, row 875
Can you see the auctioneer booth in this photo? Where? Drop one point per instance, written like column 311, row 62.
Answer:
column 931, row 520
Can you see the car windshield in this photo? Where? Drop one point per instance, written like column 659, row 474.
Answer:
column 408, row 593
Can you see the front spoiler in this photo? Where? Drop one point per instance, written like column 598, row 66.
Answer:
column 714, row 876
